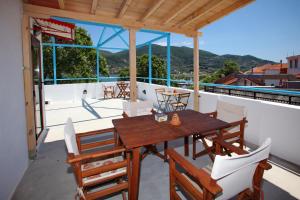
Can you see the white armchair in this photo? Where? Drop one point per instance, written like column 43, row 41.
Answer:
column 230, row 176
column 233, row 114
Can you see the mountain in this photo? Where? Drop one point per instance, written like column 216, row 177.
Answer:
column 182, row 59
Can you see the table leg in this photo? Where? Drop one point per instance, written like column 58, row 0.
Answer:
column 135, row 175
column 186, row 145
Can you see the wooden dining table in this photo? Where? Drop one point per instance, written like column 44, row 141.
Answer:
column 136, row 132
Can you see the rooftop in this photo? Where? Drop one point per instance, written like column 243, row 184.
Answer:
column 50, row 177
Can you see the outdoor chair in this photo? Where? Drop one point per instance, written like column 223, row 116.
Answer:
column 181, row 102
column 139, row 108
column 233, row 114
column 124, row 90
column 160, row 99
column 94, row 168
column 109, row 91
column 240, row 175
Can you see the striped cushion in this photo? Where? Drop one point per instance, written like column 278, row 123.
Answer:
column 100, row 163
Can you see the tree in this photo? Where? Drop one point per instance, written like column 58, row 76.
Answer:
column 229, row 67
column 158, row 68
column 74, row 62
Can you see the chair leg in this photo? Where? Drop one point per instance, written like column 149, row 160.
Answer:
column 194, row 147
column 165, row 150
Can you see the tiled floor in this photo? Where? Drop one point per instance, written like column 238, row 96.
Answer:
column 49, row 177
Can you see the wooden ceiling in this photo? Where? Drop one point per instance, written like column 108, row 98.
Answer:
column 177, row 16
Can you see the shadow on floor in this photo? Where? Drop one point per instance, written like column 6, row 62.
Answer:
column 49, row 176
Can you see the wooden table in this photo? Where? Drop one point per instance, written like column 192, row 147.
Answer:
column 136, row 132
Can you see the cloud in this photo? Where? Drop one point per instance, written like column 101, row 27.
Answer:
column 179, row 44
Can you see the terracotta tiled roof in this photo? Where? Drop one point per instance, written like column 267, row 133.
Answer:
column 261, row 69
column 232, row 78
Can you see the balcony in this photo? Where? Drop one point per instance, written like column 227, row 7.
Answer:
column 51, row 177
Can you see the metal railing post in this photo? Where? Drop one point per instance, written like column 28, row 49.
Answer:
column 169, row 60
column 150, row 63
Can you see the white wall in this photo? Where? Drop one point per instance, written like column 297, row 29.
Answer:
column 265, row 119
column 13, row 146
column 74, row 92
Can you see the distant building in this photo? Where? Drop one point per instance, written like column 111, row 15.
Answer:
column 272, row 69
column 236, row 79
column 294, row 65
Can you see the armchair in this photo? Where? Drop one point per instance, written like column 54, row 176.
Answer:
column 239, row 175
column 92, row 169
column 233, row 114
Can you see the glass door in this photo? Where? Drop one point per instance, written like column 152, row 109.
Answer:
column 37, row 85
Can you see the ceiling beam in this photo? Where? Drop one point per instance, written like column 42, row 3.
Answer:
column 175, row 12
column 33, row 10
column 61, row 4
column 94, row 7
column 237, row 5
column 152, row 9
column 124, row 7
column 200, row 12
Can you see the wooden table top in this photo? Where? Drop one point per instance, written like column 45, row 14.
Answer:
column 144, row 130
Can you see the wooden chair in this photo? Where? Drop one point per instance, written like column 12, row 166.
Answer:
column 139, row 108
column 233, row 114
column 230, row 176
column 93, row 169
column 159, row 97
column 108, row 91
column 181, row 102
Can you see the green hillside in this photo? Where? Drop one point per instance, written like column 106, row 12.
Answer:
column 182, row 59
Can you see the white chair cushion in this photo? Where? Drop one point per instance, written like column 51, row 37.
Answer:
column 100, row 163
column 70, row 137
column 138, row 108
column 235, row 174
column 230, row 113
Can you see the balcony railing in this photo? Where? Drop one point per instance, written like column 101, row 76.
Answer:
column 274, row 95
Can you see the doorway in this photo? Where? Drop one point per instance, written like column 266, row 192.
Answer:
column 37, row 86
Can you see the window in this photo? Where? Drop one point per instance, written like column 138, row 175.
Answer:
column 296, row 63
column 291, row 63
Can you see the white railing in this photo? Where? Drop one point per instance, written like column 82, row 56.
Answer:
column 265, row 119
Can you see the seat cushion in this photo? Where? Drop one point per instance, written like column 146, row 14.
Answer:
column 100, row 163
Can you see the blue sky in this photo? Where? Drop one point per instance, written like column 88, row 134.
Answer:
column 268, row 29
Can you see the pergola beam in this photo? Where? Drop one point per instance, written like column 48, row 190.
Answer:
column 33, row 10
column 200, row 12
column 152, row 9
column 120, row 36
column 94, row 7
column 61, row 4
column 124, row 7
column 153, row 40
column 111, row 37
column 175, row 12
column 224, row 12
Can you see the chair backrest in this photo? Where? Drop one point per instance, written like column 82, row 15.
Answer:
column 235, row 174
column 137, row 108
column 184, row 98
column 70, row 137
column 158, row 94
column 230, row 112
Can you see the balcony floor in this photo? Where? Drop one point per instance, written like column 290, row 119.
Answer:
column 50, row 177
